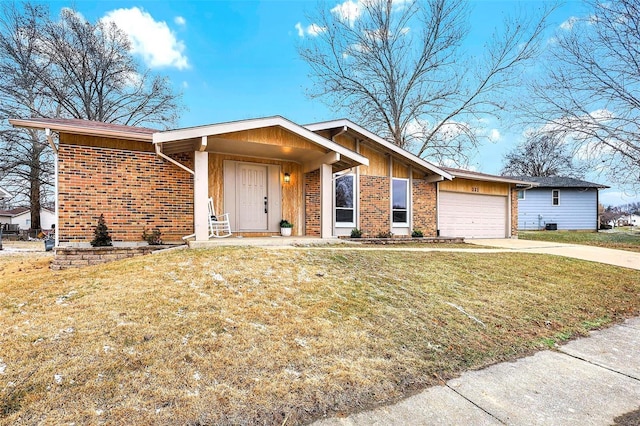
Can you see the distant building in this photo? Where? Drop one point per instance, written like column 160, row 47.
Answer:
column 21, row 216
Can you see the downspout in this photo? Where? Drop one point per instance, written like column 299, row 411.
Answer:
column 160, row 154
column 47, row 132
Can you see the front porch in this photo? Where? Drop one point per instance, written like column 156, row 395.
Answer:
column 260, row 172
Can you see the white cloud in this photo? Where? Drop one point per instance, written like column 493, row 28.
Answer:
column 152, row 40
column 315, row 29
column 185, row 85
column 348, row 11
column 312, row 30
column 179, row 20
column 494, row 135
column 569, row 23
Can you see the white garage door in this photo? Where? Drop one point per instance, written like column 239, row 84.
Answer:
column 472, row 215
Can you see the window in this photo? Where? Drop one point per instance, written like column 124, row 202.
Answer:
column 521, row 194
column 344, row 201
column 399, row 195
column 555, row 197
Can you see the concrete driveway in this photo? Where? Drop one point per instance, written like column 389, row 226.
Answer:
column 627, row 259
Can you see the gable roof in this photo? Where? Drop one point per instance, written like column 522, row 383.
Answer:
column 411, row 158
column 468, row 174
column 560, row 182
column 14, row 212
column 169, row 136
column 86, row 127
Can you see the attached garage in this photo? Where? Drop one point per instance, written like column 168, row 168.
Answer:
column 478, row 205
column 473, row 215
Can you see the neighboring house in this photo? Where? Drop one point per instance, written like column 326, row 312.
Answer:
column 559, row 202
column 326, row 178
column 6, row 216
column 21, row 216
column 47, row 219
column 628, row 220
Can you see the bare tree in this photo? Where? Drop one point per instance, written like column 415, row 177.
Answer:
column 67, row 68
column 591, row 91
column 400, row 70
column 542, row 154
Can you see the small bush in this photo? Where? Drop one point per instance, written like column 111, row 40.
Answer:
column 384, row 234
column 152, row 238
column 101, row 234
column 356, row 233
column 417, row 233
column 284, row 223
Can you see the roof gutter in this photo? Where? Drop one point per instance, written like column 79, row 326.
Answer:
column 160, row 154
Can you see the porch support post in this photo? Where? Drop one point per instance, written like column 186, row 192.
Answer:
column 326, row 201
column 201, row 195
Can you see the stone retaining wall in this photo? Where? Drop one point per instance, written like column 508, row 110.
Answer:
column 73, row 257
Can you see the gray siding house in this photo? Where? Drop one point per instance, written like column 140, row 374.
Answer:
column 558, row 202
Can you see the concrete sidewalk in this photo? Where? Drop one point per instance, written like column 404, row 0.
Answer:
column 627, row 259
column 589, row 381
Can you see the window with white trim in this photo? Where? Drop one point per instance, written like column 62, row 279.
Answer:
column 521, row 194
column 400, row 201
column 345, row 200
column 555, row 197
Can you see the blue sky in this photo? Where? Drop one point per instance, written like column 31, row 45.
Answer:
column 237, row 60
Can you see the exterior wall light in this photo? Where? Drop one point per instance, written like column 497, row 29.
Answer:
column 287, row 178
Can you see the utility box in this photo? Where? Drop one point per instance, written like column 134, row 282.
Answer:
column 551, row 226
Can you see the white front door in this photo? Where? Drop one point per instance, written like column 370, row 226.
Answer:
column 252, row 197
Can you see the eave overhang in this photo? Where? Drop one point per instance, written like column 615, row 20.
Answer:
column 211, row 138
column 86, row 128
column 387, row 146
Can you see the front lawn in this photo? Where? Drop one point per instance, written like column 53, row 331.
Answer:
column 621, row 240
column 256, row 336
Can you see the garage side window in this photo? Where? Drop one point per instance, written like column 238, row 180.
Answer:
column 400, row 197
column 555, row 197
column 344, row 201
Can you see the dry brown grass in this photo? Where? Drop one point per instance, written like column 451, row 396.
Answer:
column 254, row 336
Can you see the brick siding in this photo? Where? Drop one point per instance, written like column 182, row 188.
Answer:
column 312, row 199
column 375, row 210
column 424, row 207
column 132, row 189
column 514, row 212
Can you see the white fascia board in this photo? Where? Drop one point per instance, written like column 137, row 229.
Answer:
column 388, row 145
column 489, row 178
column 257, row 123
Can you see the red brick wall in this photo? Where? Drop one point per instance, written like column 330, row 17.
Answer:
column 375, row 210
column 514, row 211
column 312, row 199
column 424, row 207
column 133, row 189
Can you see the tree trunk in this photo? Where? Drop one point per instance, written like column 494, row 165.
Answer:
column 34, row 196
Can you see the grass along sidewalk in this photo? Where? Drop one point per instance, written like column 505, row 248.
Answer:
column 255, row 336
column 620, row 240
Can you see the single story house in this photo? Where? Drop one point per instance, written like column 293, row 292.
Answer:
column 21, row 216
column 628, row 220
column 326, row 178
column 562, row 203
column 6, row 216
